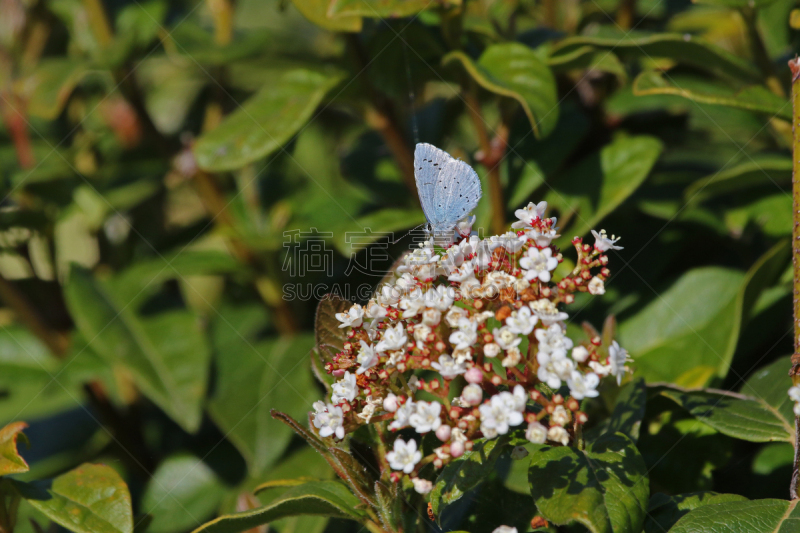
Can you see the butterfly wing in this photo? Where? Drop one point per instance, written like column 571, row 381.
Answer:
column 457, row 194
column 428, row 164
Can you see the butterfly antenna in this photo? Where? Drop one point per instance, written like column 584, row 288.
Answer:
column 411, row 96
column 406, row 234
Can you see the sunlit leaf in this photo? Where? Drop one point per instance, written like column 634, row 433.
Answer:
column 518, row 72
column 383, row 8
column 664, row 510
column 89, row 499
column 266, row 121
column 10, row 460
column 317, row 12
column 603, row 487
column 48, row 87
column 758, row 516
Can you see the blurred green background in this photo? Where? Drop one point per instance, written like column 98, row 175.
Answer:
column 181, row 181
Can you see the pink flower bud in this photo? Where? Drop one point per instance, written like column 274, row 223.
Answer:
column 473, row 375
column 443, row 433
column 390, row 403
column 456, row 449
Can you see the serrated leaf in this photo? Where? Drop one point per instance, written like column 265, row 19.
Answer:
column 384, row 8
column 10, row 460
column 684, row 48
column 319, row 498
column 757, row 516
column 600, row 183
column 167, row 354
column 753, row 98
column 518, row 72
column 265, row 122
column 89, row 499
column 603, row 487
column 254, row 377
column 664, row 510
column 466, row 472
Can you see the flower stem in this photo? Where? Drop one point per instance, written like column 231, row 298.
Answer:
column 794, row 65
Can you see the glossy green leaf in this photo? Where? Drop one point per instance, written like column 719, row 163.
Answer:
column 182, row 493
column 47, row 88
column 317, row 12
column 518, row 72
column 603, row 487
column 757, row 516
column 167, row 355
column 769, row 385
column 684, row 48
column 10, row 460
column 689, row 332
column 755, row 172
column 753, row 98
column 254, row 377
column 320, row 498
column 266, row 121
column 588, row 58
column 626, row 418
column 89, row 499
column 466, row 472
column 735, row 415
column 772, row 214
column 382, row 8
column 664, row 510
column 600, row 183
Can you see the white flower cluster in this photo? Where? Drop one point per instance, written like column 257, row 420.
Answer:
column 478, row 327
column 794, row 395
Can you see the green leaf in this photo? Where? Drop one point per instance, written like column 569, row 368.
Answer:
column 182, row 492
column 89, row 499
column 466, row 472
column 773, row 214
column 753, row 98
column 757, row 516
column 320, row 498
column 170, row 88
column 167, row 354
column 10, row 460
column 316, row 11
column 518, row 72
column 732, row 414
column 49, row 86
column 626, row 418
column 265, row 122
column 252, row 378
column 687, row 334
column 383, row 8
column 684, row 48
column 587, row 58
column 600, row 183
column 664, row 510
column 770, row 169
column 738, row 3
column 604, row 487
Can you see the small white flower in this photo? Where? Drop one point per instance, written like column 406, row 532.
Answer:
column 462, row 355
column 547, row 311
column 794, row 393
column 454, row 315
column 369, row 409
column 367, row 358
column 554, row 368
column 466, row 335
column 388, row 295
column 508, row 241
column 345, row 389
column 580, row 354
column 558, row 434
column 466, row 271
column 600, row 369
column 329, row 419
column 404, row 456
column 596, row 286
column 423, row 486
column 390, row 403
column 529, row 215
column 426, row 417
column 464, row 226
column 583, row 385
column 553, row 341
column 506, row 529
column 617, row 357
column 353, row 317
column 491, row 349
column 536, row 433
column 375, row 311
column 521, row 321
column 393, row 338
column 512, row 358
column 413, row 304
column 402, row 414
column 542, row 238
column 421, row 332
column 472, row 394
column 506, row 338
column 448, row 367
column 560, row 416
column 441, row 297
column 499, row 414
column 602, row 243
column 431, row 317
column 538, row 264
column 796, row 409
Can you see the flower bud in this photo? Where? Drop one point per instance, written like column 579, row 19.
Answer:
column 473, row 375
column 390, row 403
column 443, row 433
column 457, row 449
column 472, row 395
